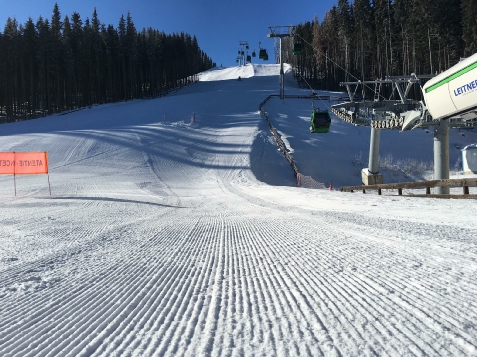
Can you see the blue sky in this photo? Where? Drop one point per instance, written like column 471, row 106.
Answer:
column 218, row 25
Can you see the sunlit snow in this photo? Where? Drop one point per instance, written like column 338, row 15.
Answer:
column 167, row 237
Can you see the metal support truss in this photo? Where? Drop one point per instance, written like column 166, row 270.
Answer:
column 403, row 114
column 388, row 113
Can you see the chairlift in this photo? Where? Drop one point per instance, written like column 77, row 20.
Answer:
column 246, row 47
column 297, row 48
column 254, row 54
column 320, row 121
column 249, row 59
column 263, row 54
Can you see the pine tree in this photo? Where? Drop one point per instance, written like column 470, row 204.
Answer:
column 469, row 27
column 345, row 21
column 10, row 65
column 364, row 31
column 131, row 41
column 96, row 52
column 75, row 40
column 30, row 54
column 55, row 59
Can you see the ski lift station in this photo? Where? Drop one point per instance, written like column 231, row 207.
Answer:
column 450, row 101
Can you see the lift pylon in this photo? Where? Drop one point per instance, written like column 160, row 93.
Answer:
column 244, row 48
column 281, row 32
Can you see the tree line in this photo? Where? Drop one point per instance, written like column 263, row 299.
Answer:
column 64, row 64
column 372, row 39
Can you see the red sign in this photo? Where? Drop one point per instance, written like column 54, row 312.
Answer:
column 23, row 163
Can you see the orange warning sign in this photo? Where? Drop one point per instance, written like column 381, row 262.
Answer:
column 23, row 163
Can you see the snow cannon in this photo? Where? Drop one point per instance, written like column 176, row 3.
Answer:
column 453, row 92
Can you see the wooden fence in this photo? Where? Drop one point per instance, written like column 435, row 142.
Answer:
column 464, row 183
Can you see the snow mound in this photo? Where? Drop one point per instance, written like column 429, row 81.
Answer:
column 247, row 71
column 262, row 70
column 222, row 74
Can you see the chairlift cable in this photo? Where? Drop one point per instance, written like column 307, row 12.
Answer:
column 312, row 97
column 363, row 84
column 317, row 125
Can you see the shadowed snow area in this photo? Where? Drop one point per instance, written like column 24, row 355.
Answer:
column 167, row 237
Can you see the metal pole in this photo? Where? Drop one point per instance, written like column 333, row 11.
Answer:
column 243, row 56
column 282, row 80
column 49, row 187
column 441, row 154
column 14, row 176
column 373, row 166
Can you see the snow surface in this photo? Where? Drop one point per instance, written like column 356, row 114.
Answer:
column 166, row 237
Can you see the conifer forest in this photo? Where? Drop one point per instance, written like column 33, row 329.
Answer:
column 372, row 39
column 67, row 63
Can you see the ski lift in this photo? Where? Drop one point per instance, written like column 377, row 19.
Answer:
column 263, row 54
column 254, row 54
column 246, row 47
column 242, row 53
column 297, row 48
column 320, row 121
column 249, row 59
column 238, row 51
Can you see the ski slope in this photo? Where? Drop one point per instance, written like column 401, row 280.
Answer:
column 164, row 237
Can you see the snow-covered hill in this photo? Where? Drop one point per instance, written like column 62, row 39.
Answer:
column 170, row 237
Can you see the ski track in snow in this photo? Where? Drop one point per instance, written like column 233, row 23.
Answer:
column 159, row 241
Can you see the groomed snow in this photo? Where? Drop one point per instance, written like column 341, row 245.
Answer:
column 164, row 237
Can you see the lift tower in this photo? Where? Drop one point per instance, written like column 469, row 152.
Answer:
column 281, row 32
column 243, row 47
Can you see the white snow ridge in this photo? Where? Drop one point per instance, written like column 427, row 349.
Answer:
column 164, row 237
